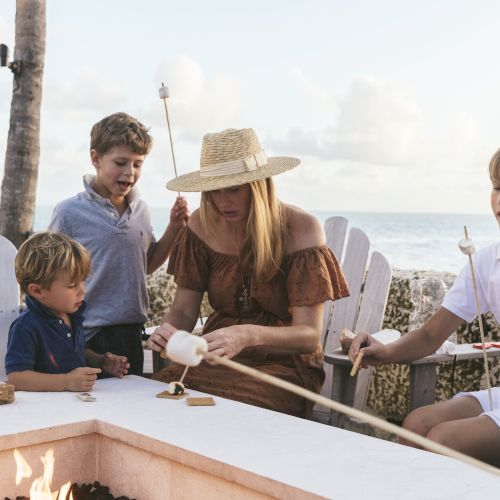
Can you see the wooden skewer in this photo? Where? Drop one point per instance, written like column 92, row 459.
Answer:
column 352, row 412
column 357, row 362
column 184, row 374
column 481, row 328
column 164, row 99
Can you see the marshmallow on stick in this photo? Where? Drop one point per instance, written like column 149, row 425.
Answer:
column 189, row 349
column 467, row 247
column 164, row 95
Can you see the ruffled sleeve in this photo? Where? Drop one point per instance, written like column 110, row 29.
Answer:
column 189, row 262
column 313, row 276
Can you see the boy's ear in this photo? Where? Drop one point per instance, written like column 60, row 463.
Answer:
column 35, row 290
column 95, row 158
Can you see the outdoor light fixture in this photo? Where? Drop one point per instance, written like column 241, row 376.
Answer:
column 14, row 66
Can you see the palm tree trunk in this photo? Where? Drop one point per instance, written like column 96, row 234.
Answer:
column 17, row 202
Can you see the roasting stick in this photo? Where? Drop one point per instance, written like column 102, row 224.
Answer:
column 467, row 247
column 164, row 95
column 357, row 362
column 188, row 349
column 183, row 374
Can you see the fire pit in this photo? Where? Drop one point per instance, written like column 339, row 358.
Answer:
column 41, row 487
column 154, row 449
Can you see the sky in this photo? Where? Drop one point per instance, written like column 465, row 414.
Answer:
column 390, row 105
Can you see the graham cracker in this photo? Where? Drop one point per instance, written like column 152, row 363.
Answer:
column 167, row 395
column 208, row 401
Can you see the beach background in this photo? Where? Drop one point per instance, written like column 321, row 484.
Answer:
column 408, row 241
column 389, row 105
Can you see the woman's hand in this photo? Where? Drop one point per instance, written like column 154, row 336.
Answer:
column 179, row 213
column 227, row 342
column 160, row 336
column 374, row 352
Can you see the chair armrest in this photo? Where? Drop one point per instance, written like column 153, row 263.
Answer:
column 462, row 352
column 337, row 358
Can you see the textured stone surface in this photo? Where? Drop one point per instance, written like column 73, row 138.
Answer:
column 161, row 289
column 413, row 297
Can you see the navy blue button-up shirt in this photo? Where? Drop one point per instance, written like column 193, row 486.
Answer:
column 42, row 342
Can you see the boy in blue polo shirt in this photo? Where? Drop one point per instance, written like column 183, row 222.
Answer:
column 46, row 344
column 113, row 223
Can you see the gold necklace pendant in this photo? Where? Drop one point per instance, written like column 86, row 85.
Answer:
column 244, row 298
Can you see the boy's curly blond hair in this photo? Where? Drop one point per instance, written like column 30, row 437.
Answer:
column 495, row 167
column 41, row 257
column 120, row 129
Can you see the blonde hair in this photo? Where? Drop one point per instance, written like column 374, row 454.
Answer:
column 120, row 129
column 41, row 257
column 495, row 167
column 264, row 246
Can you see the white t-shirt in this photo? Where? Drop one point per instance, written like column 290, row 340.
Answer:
column 460, row 301
column 460, row 298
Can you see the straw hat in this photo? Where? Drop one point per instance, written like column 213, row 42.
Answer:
column 231, row 158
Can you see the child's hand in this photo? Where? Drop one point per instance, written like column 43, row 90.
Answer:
column 81, row 379
column 179, row 214
column 115, row 365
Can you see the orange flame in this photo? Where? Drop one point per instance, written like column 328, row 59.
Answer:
column 23, row 469
column 40, row 489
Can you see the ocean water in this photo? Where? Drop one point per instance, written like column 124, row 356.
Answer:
column 408, row 241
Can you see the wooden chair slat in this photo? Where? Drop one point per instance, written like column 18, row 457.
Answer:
column 371, row 314
column 335, row 231
column 9, row 296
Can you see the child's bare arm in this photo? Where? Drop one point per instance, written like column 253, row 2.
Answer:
column 80, row 379
column 179, row 214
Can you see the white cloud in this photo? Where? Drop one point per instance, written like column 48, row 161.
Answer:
column 382, row 124
column 7, row 35
column 197, row 104
column 319, row 95
column 89, row 92
column 378, row 123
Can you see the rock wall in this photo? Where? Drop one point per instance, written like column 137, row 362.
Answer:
column 413, row 297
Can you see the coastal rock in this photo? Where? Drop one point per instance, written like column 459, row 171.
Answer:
column 161, row 288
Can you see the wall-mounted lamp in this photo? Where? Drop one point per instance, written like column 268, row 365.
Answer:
column 14, row 66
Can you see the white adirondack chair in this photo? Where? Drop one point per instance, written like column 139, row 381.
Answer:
column 363, row 310
column 9, row 296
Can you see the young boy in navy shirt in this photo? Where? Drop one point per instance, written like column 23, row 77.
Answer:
column 113, row 223
column 46, row 344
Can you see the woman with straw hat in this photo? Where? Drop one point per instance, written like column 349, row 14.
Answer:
column 267, row 271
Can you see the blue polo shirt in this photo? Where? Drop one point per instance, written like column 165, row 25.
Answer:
column 42, row 342
column 119, row 245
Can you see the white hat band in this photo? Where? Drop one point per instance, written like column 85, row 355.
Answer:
column 248, row 164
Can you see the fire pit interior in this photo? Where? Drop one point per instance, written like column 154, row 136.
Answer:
column 122, row 460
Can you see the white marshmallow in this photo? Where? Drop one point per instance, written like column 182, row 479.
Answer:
column 163, row 91
column 186, row 349
column 466, row 246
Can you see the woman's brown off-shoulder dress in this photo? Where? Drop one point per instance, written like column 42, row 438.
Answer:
column 307, row 277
